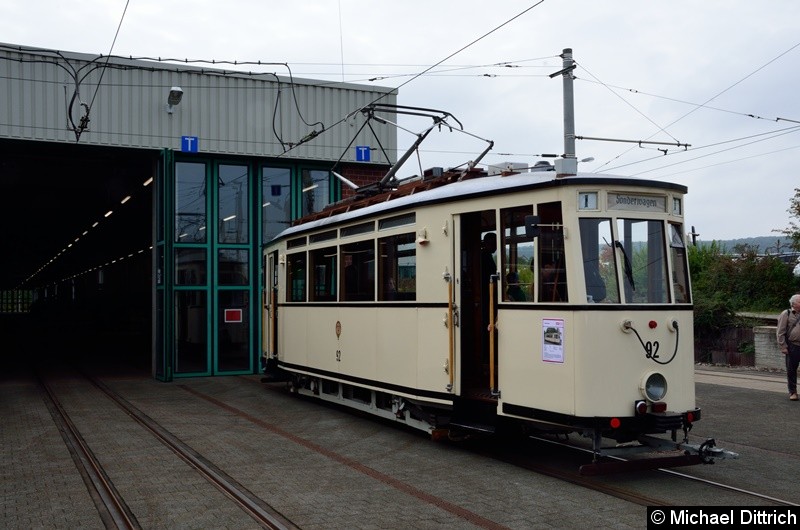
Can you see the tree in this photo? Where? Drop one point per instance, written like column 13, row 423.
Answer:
column 793, row 230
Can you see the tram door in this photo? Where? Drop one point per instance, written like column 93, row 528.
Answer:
column 269, row 343
column 476, row 287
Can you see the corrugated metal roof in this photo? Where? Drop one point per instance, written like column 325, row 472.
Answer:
column 230, row 112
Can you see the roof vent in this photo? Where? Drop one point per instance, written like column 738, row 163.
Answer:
column 543, row 165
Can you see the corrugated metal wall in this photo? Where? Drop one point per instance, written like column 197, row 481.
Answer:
column 230, row 112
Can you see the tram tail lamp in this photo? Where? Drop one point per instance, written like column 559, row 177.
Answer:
column 614, row 423
column 659, row 406
column 640, row 407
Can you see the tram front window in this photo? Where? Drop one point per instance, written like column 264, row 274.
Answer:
column 599, row 264
column 640, row 243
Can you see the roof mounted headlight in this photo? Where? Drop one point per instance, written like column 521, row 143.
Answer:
column 653, row 386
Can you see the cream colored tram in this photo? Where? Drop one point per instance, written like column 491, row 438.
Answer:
column 580, row 318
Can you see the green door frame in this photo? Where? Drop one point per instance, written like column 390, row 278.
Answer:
column 167, row 249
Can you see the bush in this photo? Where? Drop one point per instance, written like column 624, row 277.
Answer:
column 742, row 282
column 724, row 285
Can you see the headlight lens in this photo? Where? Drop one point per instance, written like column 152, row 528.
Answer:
column 654, row 386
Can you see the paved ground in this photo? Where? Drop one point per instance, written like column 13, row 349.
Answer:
column 320, row 467
column 744, row 377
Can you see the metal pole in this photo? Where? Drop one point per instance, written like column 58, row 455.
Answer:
column 569, row 105
column 568, row 164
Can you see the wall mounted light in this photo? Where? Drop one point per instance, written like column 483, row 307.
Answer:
column 174, row 98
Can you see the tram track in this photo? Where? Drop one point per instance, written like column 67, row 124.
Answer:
column 671, row 472
column 110, row 504
column 518, row 452
column 637, row 488
column 728, row 487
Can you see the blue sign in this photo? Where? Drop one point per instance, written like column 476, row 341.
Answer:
column 362, row 153
column 189, row 144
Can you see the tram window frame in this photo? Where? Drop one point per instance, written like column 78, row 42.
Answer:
column 357, row 273
column 398, row 258
column 324, row 274
column 551, row 262
column 296, row 242
column 322, row 236
column 397, row 221
column 362, row 228
column 599, row 260
column 296, row 277
column 517, row 280
column 681, row 292
column 644, row 244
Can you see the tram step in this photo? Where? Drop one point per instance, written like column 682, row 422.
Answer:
column 474, row 415
column 472, row 427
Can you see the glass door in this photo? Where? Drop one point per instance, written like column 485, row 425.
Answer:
column 233, row 278
column 190, row 263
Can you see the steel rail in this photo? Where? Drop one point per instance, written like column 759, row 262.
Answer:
column 260, row 511
column 679, row 474
column 110, row 504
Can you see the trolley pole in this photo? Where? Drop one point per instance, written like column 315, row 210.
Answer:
column 568, row 165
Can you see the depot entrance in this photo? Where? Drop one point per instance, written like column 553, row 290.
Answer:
column 213, row 216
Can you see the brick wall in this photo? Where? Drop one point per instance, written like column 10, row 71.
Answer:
column 360, row 176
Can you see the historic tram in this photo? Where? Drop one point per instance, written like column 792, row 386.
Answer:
column 460, row 302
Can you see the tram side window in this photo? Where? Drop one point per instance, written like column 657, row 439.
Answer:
column 551, row 263
column 358, row 271
column 645, row 267
column 323, row 274
column 397, row 268
column 680, row 269
column 598, row 261
column 517, row 255
column 296, row 277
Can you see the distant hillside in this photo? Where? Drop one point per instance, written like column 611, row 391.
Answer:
column 762, row 245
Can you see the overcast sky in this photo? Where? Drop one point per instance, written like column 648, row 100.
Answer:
column 720, row 75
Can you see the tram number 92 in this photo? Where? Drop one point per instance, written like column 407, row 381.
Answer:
column 338, row 356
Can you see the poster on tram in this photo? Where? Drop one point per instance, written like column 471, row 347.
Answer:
column 553, row 340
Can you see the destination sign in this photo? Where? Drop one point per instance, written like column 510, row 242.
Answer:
column 637, row 203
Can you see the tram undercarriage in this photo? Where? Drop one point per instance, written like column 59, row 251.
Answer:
column 634, row 449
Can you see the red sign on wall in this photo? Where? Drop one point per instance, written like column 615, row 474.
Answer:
column 233, row 315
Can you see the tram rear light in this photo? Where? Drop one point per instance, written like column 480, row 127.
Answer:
column 615, row 423
column 653, row 324
column 659, row 406
column 640, row 407
column 689, row 417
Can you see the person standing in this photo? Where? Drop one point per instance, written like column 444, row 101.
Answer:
column 788, row 335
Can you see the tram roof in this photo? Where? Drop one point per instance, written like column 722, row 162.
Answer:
column 462, row 190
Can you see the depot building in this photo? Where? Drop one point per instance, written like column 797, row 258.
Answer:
column 136, row 195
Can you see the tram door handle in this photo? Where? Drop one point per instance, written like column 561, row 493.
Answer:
column 456, row 319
